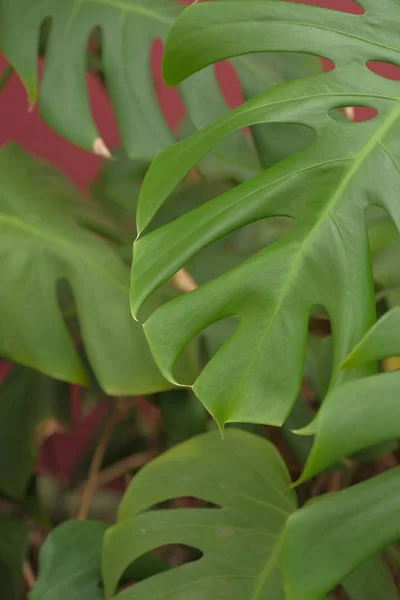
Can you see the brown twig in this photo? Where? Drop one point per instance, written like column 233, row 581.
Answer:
column 92, row 481
column 29, row 575
column 183, row 281
column 121, row 468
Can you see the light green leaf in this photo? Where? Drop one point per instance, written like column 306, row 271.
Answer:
column 359, row 414
column 324, row 260
column 13, row 545
column 28, row 401
column 70, row 563
column 240, row 541
column 354, row 416
column 381, row 341
column 332, row 535
column 40, row 245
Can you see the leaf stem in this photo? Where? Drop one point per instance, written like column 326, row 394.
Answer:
column 96, row 463
column 29, row 575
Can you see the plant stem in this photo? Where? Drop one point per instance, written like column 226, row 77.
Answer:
column 122, row 467
column 29, row 575
column 96, row 463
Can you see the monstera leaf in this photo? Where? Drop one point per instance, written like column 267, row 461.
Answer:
column 69, row 563
column 240, row 539
column 40, row 245
column 332, row 535
column 362, row 413
column 128, row 29
column 325, row 188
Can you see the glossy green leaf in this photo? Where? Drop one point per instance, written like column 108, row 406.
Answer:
column 70, row 563
column 381, row 341
column 354, row 416
column 40, row 244
column 332, row 535
column 359, row 414
column 240, row 541
column 27, row 401
column 324, row 259
column 13, row 545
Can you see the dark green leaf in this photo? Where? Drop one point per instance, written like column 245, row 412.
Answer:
column 371, row 581
column 13, row 545
column 240, row 541
column 28, row 401
column 183, row 416
column 40, row 244
column 70, row 563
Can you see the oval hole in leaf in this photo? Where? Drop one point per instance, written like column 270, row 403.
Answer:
column 348, row 6
column 236, row 247
column 358, row 113
column 277, row 141
column 161, row 559
column 386, row 70
column 185, row 502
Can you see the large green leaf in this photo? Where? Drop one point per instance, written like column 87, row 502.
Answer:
column 332, row 535
column 69, row 563
column 40, row 245
column 28, row 400
column 240, row 541
column 13, row 545
column 324, row 259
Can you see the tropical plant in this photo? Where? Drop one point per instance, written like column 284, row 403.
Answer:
column 266, row 246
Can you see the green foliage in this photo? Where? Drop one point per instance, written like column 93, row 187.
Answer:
column 29, row 401
column 326, row 188
column 41, row 245
column 70, row 563
column 334, row 534
column 13, row 544
column 285, row 215
column 240, row 540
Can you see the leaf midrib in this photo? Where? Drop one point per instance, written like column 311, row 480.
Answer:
column 34, row 231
